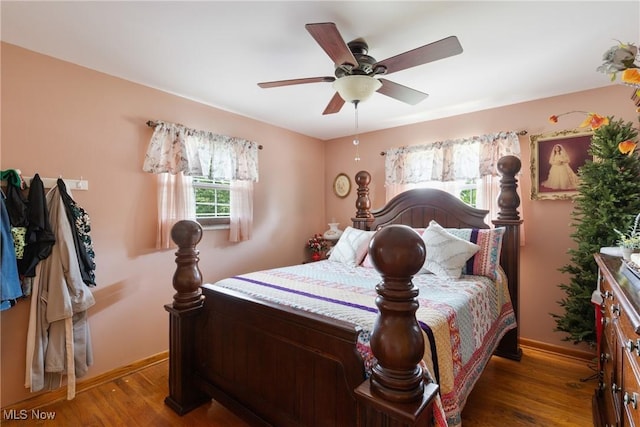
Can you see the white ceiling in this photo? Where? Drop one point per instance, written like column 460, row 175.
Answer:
column 216, row 52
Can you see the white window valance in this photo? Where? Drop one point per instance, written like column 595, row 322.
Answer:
column 175, row 148
column 450, row 160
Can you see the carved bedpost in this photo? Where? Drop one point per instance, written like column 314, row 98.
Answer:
column 187, row 304
column 363, row 204
column 508, row 199
column 187, row 278
column 509, row 217
column 397, row 391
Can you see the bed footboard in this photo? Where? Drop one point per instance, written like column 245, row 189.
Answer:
column 277, row 366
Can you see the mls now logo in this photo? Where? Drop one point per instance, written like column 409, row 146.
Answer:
column 14, row 414
column 23, row 414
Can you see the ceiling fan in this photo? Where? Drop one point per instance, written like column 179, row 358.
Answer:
column 356, row 73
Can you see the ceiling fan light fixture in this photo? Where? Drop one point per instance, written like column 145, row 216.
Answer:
column 356, row 88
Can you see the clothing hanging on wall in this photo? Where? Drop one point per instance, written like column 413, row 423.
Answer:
column 58, row 337
column 81, row 229
column 15, row 221
column 17, row 209
column 10, row 289
column 16, row 203
column 39, row 237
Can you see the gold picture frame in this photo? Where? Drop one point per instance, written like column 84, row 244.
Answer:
column 341, row 185
column 555, row 162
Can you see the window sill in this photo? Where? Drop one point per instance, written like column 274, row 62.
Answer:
column 215, row 227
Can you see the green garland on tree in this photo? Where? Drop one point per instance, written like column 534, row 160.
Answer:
column 608, row 197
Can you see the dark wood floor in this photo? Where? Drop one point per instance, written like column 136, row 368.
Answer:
column 543, row 390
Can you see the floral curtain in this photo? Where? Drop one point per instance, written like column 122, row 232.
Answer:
column 439, row 163
column 177, row 150
column 221, row 157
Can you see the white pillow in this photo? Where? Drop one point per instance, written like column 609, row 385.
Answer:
column 352, row 246
column 446, row 253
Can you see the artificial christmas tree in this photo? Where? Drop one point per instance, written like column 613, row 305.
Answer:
column 608, row 199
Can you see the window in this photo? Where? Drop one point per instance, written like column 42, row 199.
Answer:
column 213, row 198
column 467, row 191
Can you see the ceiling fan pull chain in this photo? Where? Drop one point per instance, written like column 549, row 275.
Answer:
column 356, row 140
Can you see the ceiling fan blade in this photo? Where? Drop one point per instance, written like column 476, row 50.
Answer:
column 441, row 49
column 296, row 82
column 329, row 39
column 334, row 105
column 400, row 92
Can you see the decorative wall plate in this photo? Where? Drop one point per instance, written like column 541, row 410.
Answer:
column 342, row 185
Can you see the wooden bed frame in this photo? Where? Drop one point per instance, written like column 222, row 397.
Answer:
column 275, row 366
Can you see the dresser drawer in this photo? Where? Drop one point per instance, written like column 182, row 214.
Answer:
column 630, row 393
column 608, row 385
column 630, row 370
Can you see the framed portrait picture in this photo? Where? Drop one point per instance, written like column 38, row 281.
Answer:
column 555, row 161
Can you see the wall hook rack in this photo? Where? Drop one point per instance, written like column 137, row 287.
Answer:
column 72, row 184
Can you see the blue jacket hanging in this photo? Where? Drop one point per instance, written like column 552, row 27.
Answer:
column 10, row 288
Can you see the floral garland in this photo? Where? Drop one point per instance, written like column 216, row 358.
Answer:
column 595, row 121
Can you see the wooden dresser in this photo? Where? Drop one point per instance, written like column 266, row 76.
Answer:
column 616, row 401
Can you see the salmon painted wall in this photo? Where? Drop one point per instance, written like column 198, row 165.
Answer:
column 61, row 119
column 547, row 222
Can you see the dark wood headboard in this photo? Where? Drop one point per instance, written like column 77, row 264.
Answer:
column 416, row 208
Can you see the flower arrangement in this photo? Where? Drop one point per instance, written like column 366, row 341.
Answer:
column 317, row 244
column 596, row 121
column 622, row 59
column 631, row 239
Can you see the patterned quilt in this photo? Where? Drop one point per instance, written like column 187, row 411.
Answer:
column 462, row 320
